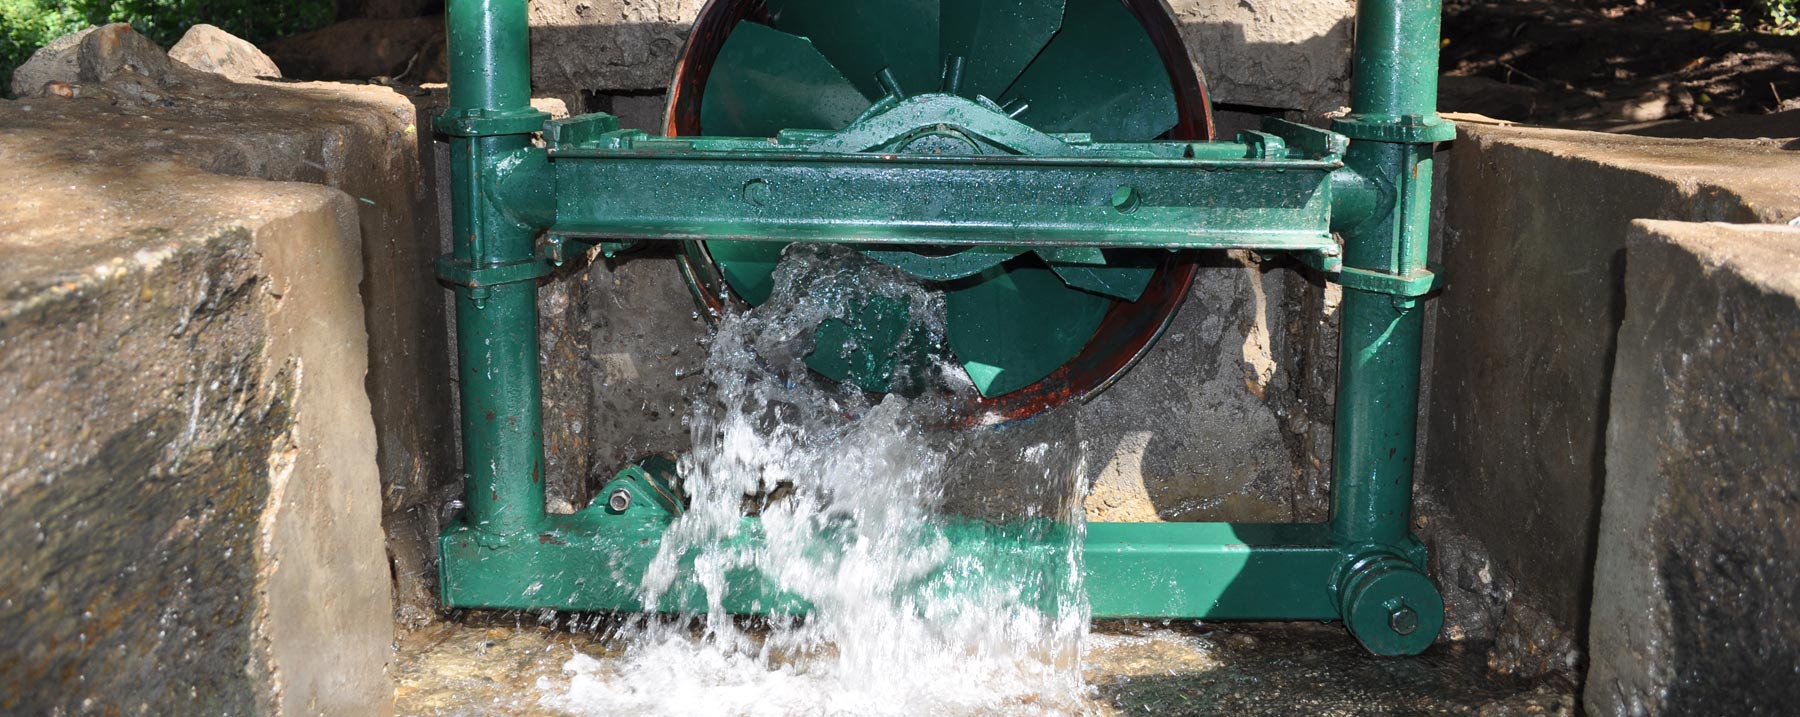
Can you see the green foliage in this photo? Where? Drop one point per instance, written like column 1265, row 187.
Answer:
column 1778, row 16
column 26, row 25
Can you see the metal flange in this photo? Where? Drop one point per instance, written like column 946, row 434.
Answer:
column 1391, row 607
column 478, row 122
column 1408, row 129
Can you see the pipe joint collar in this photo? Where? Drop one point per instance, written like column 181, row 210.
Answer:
column 1408, row 129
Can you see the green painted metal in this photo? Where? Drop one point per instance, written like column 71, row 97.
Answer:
column 1217, row 571
column 1106, row 78
column 1031, row 189
column 767, row 80
column 496, row 321
column 817, row 61
column 1060, row 196
column 1045, row 213
column 1381, row 325
column 864, row 38
column 592, row 560
column 996, row 41
column 1014, row 326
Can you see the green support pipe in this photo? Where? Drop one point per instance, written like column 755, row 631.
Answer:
column 1385, row 598
column 494, row 267
column 1396, row 58
column 1392, row 124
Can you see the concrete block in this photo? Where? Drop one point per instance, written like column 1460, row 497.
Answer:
column 1697, row 590
column 188, row 480
column 1533, row 250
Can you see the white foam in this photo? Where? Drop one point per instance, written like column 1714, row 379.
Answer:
column 900, row 625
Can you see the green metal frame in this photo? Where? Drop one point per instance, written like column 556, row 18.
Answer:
column 1286, row 189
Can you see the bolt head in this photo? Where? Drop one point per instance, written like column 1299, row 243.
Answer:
column 1125, row 199
column 619, row 500
column 1403, row 620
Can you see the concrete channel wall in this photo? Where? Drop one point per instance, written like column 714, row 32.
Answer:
column 1698, row 580
column 1527, row 357
column 193, row 481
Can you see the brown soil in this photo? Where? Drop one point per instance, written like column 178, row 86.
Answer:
column 1618, row 65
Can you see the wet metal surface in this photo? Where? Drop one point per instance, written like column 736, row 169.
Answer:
column 506, row 664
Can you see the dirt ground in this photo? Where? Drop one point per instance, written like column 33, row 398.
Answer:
column 1615, row 65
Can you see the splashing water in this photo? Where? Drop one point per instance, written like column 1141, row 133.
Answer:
column 850, row 490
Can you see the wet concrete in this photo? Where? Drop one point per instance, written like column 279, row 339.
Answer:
column 1533, row 250
column 1698, row 590
column 188, row 484
column 502, row 664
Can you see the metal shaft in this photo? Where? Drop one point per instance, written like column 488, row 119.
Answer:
column 1378, row 374
column 496, row 325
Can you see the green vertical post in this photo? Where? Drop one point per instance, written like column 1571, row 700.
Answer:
column 1385, row 599
column 494, row 267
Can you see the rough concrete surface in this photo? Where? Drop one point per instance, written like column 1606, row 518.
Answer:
column 191, row 491
column 1697, row 596
column 362, row 139
column 1194, row 431
column 1533, row 250
column 1282, row 55
column 1278, row 54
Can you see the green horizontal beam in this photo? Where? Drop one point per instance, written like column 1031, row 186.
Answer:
column 1219, row 571
column 879, row 199
column 593, row 561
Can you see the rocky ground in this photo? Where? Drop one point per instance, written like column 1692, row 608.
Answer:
column 506, row 664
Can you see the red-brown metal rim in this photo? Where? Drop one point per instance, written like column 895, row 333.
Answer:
column 1128, row 330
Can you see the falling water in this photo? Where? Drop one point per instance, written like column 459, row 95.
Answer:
column 850, row 489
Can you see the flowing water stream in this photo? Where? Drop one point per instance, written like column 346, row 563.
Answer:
column 850, row 488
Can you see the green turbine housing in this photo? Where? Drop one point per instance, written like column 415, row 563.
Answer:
column 1059, row 173
column 1013, row 318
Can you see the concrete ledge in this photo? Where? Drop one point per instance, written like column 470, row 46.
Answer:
column 189, row 480
column 1697, row 595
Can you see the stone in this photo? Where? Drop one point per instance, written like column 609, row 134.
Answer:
column 1293, row 54
column 189, row 482
column 1534, row 226
column 209, row 49
column 116, row 49
column 365, row 141
column 595, row 45
column 1697, row 594
column 56, row 61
